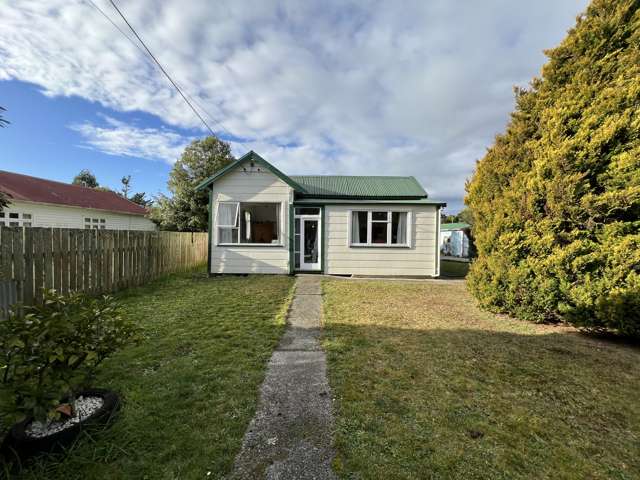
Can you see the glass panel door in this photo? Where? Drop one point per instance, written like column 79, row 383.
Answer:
column 310, row 240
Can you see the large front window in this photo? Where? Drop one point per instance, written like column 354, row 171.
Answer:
column 379, row 228
column 248, row 223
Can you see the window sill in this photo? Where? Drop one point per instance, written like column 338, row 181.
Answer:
column 249, row 245
column 377, row 245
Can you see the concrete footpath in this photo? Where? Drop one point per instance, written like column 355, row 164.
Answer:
column 290, row 436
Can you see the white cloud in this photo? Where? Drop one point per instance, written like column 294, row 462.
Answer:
column 119, row 138
column 413, row 87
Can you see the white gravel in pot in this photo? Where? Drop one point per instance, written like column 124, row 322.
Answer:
column 84, row 407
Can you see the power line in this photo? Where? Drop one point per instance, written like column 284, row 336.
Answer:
column 133, row 42
column 137, row 45
column 178, row 89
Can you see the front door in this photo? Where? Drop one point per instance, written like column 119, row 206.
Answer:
column 310, row 244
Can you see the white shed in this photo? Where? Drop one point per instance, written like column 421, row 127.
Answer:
column 263, row 221
column 454, row 240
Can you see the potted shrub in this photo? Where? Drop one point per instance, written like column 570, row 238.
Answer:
column 49, row 354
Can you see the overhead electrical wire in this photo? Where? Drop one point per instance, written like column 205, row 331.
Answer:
column 146, row 51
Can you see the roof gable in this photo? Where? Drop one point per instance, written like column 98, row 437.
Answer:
column 40, row 190
column 253, row 157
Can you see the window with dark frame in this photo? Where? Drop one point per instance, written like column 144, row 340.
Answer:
column 307, row 210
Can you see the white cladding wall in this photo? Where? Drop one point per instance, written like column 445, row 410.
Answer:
column 258, row 185
column 62, row 216
column 420, row 259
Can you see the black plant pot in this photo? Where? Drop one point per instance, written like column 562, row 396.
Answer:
column 18, row 445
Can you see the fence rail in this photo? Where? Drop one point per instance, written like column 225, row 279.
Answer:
column 92, row 261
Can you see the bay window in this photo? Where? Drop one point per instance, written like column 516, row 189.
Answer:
column 248, row 223
column 379, row 228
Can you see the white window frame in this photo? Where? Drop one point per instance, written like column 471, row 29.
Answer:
column 91, row 223
column 6, row 220
column 370, row 221
column 235, row 226
column 240, row 243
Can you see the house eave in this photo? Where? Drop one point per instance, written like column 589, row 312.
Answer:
column 366, row 200
column 69, row 205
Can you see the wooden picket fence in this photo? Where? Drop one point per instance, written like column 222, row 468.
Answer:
column 92, row 261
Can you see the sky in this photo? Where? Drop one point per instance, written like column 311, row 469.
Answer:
column 333, row 87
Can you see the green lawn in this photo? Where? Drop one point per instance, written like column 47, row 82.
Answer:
column 190, row 388
column 453, row 268
column 428, row 386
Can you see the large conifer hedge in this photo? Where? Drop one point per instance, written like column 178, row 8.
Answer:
column 556, row 199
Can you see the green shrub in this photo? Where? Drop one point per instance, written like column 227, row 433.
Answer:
column 556, row 199
column 49, row 351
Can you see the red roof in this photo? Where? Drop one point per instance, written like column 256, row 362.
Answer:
column 33, row 189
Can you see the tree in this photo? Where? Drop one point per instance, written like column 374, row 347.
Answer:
column 187, row 210
column 463, row 216
column 126, row 181
column 4, row 198
column 140, row 199
column 4, row 201
column 556, row 199
column 3, row 121
column 86, row 179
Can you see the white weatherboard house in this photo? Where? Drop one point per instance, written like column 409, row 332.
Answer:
column 263, row 221
column 36, row 202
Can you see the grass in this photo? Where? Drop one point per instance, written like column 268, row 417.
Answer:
column 428, row 386
column 191, row 387
column 453, row 269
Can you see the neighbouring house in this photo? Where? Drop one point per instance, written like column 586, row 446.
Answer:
column 454, row 239
column 263, row 221
column 36, row 202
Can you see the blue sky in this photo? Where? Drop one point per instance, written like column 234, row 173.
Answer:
column 338, row 87
column 41, row 141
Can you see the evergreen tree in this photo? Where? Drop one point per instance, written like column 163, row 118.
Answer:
column 556, row 199
column 141, row 199
column 187, row 210
column 86, row 179
column 4, row 201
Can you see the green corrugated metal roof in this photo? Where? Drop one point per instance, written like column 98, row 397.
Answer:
column 337, row 186
column 352, row 201
column 454, row 226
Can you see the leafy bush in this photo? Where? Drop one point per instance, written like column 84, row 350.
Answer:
column 49, row 351
column 556, row 199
